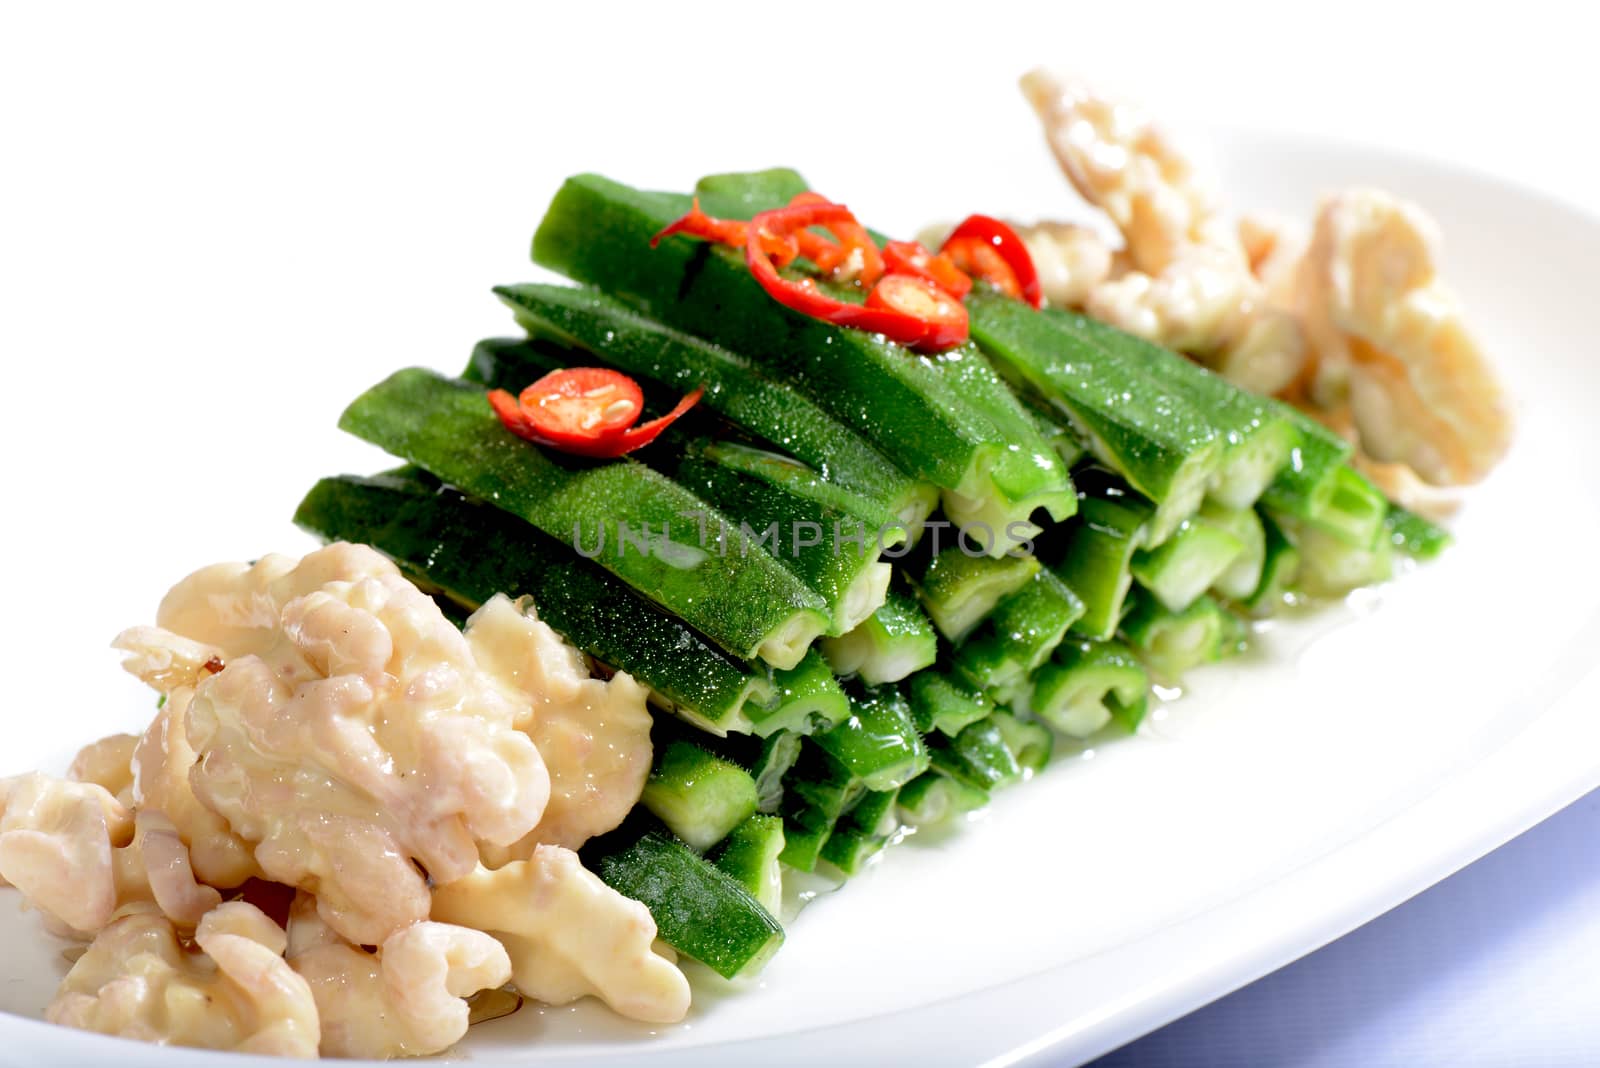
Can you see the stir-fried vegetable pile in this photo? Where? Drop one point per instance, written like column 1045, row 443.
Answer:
column 894, row 530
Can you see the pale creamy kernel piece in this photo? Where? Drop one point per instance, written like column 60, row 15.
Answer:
column 161, row 766
column 1071, row 260
column 1123, row 164
column 593, row 734
column 1391, row 341
column 59, row 846
column 1190, row 306
column 78, row 855
column 236, row 993
column 108, row 763
column 165, row 661
column 351, row 737
column 1183, row 278
column 406, row 999
column 569, row 935
column 1264, row 349
column 169, row 872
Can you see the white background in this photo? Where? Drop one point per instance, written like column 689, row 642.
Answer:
column 219, row 223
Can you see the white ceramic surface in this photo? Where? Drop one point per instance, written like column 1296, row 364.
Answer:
column 1358, row 755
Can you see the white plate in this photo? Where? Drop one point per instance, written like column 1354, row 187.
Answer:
column 1358, row 756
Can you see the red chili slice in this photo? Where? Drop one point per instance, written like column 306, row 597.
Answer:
column 804, row 297
column 825, row 252
column 639, row 436
column 979, row 259
column 588, row 411
column 854, row 242
column 510, row 413
column 987, row 248
column 698, row 224
column 582, row 403
column 773, row 238
column 910, row 257
column 727, row 232
column 944, row 314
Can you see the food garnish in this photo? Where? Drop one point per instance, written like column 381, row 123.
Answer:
column 944, row 319
column 900, row 324
column 587, row 411
column 852, row 256
column 913, row 296
column 986, row 248
column 911, row 258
